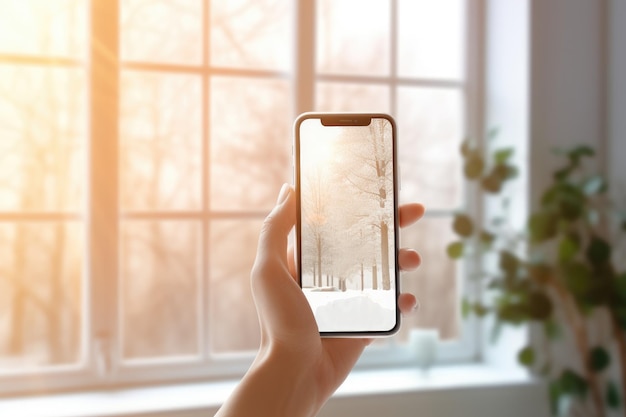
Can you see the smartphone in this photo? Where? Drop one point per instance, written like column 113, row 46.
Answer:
column 347, row 221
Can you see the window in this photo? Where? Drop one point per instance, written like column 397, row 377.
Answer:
column 142, row 143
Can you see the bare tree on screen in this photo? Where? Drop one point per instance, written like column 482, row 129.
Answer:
column 371, row 175
column 316, row 224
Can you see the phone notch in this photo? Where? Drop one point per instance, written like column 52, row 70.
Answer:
column 346, row 120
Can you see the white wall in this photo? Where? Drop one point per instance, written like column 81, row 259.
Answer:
column 578, row 91
column 617, row 90
column 617, row 109
column 567, row 87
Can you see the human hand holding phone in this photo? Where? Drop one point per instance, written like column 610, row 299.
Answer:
column 296, row 370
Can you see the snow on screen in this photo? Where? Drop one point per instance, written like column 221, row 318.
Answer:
column 347, row 225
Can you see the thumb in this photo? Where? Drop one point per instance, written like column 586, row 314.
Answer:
column 275, row 293
column 276, row 227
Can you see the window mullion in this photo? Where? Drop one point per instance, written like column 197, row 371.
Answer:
column 474, row 128
column 204, row 321
column 103, row 227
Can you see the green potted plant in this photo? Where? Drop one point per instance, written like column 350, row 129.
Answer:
column 556, row 274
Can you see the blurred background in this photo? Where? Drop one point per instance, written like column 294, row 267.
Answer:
column 142, row 142
column 200, row 96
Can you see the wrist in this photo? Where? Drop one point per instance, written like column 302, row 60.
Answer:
column 275, row 385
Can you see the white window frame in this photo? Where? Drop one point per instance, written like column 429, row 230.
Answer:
column 101, row 363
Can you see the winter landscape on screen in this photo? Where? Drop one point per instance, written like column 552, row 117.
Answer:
column 347, row 233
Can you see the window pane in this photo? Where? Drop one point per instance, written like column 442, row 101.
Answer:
column 161, row 269
column 431, row 38
column 353, row 37
column 250, row 142
column 44, row 27
column 352, row 97
column 434, row 283
column 251, row 34
column 41, row 294
column 167, row 31
column 233, row 321
column 42, row 138
column 161, row 148
column 430, row 124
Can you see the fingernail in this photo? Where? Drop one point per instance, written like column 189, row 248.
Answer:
column 282, row 196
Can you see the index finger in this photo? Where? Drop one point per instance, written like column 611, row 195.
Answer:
column 410, row 213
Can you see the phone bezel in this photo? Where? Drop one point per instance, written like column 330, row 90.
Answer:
column 350, row 119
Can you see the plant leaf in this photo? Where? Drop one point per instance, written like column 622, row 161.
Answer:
column 513, row 313
column 487, row 238
column 500, row 156
column 612, row 395
column 467, row 147
column 598, row 251
column 573, row 384
column 508, row 263
column 568, row 248
column 474, row 166
column 526, row 356
column 581, row 150
column 542, row 226
column 555, row 392
column 465, row 308
column 620, row 286
column 492, row 183
column 463, row 225
column 551, row 329
column 540, row 272
column 562, row 174
column 455, row 250
column 480, row 310
column 599, row 359
column 577, row 277
column 567, row 199
column 511, row 172
column 539, row 305
column 575, row 154
column 504, row 172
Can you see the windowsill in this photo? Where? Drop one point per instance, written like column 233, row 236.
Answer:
column 205, row 398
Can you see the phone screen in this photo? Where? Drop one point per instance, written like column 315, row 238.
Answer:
column 347, row 221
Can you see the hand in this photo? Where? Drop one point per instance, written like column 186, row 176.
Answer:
column 296, row 371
